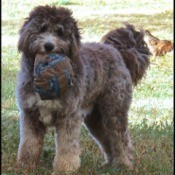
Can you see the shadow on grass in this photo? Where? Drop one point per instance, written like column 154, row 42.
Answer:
column 153, row 150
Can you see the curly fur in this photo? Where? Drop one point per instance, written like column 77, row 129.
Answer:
column 100, row 97
column 133, row 49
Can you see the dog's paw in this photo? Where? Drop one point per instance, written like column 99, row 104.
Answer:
column 123, row 162
column 25, row 166
column 66, row 163
column 128, row 164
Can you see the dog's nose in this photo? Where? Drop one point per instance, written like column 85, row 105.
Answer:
column 48, row 47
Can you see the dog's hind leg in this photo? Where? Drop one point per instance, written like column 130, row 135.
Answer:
column 67, row 144
column 114, row 106
column 93, row 122
column 32, row 133
column 108, row 124
column 115, row 143
column 120, row 142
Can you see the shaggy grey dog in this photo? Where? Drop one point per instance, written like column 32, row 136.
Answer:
column 100, row 97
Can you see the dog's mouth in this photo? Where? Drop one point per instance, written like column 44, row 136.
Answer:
column 45, row 52
column 55, row 51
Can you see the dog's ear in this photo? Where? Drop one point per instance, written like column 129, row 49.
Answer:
column 74, row 49
column 23, row 37
column 21, row 42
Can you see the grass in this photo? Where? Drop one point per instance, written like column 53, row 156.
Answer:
column 151, row 113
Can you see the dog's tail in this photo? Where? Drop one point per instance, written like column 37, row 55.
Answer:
column 133, row 49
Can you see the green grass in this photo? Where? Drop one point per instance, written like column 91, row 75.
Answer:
column 151, row 113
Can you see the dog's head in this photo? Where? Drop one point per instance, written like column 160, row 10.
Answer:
column 50, row 29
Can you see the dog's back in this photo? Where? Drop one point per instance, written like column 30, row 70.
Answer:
column 102, row 63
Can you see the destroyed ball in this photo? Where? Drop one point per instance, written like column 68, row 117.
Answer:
column 53, row 75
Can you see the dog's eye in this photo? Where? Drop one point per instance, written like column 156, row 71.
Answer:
column 60, row 31
column 43, row 28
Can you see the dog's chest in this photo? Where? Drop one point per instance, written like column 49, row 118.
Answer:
column 46, row 108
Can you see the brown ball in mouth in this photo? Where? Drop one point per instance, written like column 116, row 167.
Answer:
column 53, row 75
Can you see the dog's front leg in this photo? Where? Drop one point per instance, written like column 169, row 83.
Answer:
column 67, row 145
column 32, row 133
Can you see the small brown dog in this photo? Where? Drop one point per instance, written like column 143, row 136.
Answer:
column 100, row 96
column 158, row 47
